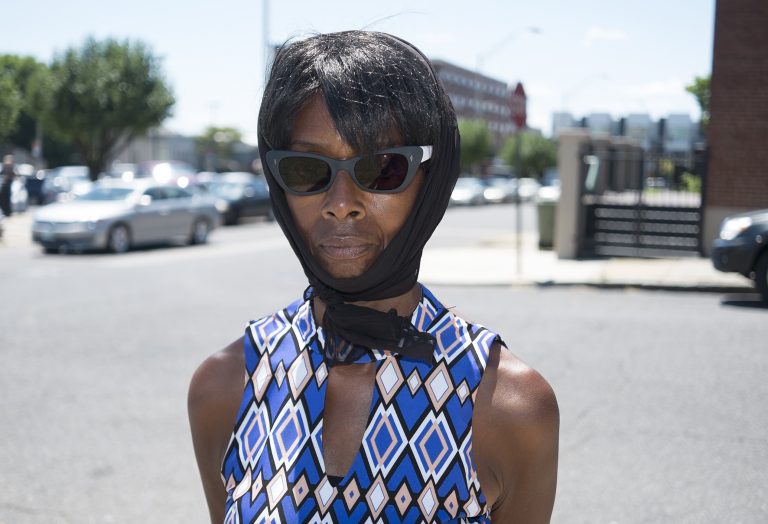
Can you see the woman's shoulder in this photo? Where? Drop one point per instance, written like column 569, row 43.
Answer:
column 516, row 432
column 512, row 388
column 218, row 380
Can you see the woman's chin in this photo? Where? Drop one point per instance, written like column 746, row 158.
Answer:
column 345, row 268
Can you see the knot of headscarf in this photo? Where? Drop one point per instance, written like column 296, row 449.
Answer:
column 351, row 330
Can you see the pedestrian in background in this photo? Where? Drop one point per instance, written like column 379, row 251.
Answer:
column 9, row 174
column 367, row 399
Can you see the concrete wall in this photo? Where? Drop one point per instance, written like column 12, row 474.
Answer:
column 569, row 208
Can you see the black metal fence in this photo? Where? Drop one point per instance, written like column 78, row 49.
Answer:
column 639, row 203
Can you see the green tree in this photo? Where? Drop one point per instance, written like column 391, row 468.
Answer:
column 10, row 106
column 537, row 154
column 700, row 91
column 476, row 144
column 216, row 146
column 103, row 95
column 24, row 72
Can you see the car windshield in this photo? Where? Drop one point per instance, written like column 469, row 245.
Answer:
column 107, row 193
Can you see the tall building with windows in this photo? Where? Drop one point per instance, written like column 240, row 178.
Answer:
column 480, row 97
column 676, row 134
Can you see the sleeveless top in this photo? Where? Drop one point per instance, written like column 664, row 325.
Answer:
column 415, row 460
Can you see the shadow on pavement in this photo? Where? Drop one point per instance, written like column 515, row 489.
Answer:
column 745, row 300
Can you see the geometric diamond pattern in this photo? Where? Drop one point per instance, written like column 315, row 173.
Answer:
column 351, row 494
column 414, row 381
column 439, row 386
column 244, row 485
column 289, row 433
column 452, row 504
column 260, row 377
column 252, row 433
column 324, row 494
column 462, row 391
column 256, row 487
column 384, row 440
column 276, row 488
column 377, row 497
column 465, row 453
column 428, row 501
column 389, row 378
column 280, row 375
column 300, row 490
column 299, row 374
column 403, row 499
column 449, row 337
column 408, row 467
column 434, row 446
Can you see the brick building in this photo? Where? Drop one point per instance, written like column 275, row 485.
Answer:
column 738, row 129
column 480, row 97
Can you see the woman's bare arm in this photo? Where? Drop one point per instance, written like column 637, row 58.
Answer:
column 515, row 440
column 214, row 397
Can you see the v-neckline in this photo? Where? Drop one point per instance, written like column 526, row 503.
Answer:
column 360, row 448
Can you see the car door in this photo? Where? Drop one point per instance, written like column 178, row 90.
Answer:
column 257, row 197
column 181, row 212
column 151, row 221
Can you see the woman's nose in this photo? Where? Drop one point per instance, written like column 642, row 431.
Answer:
column 344, row 199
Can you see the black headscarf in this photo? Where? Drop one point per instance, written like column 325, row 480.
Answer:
column 396, row 269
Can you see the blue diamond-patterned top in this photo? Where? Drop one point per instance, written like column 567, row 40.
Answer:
column 415, row 461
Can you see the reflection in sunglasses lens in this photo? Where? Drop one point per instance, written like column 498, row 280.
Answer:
column 304, row 174
column 382, row 172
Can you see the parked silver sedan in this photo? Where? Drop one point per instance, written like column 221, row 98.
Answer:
column 117, row 215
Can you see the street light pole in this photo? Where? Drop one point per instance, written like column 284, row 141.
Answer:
column 501, row 43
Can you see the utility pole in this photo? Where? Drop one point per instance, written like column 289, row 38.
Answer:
column 519, row 117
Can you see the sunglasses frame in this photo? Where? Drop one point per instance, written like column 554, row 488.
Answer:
column 416, row 155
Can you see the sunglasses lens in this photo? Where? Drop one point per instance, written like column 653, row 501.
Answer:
column 384, row 172
column 304, row 174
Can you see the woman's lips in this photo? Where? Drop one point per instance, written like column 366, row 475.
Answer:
column 344, row 249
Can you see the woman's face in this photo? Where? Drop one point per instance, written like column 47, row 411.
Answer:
column 345, row 228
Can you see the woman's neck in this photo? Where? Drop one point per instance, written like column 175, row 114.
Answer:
column 404, row 304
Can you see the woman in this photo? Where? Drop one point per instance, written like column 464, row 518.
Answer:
column 367, row 399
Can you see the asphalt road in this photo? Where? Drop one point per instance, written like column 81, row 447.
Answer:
column 662, row 395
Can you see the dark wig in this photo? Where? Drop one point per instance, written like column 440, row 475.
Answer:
column 371, row 83
column 374, row 85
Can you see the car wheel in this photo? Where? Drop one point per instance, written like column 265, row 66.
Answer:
column 49, row 250
column 119, row 239
column 200, row 230
column 761, row 276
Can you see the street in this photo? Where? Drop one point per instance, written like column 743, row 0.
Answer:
column 662, row 394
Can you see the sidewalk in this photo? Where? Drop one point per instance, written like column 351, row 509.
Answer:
column 17, row 230
column 494, row 264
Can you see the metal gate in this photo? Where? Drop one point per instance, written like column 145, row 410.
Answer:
column 641, row 204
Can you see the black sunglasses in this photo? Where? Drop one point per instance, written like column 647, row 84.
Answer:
column 386, row 171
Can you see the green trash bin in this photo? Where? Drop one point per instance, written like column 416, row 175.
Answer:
column 546, row 206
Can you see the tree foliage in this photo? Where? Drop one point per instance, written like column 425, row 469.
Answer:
column 216, row 145
column 10, row 106
column 537, row 154
column 29, row 78
column 476, row 144
column 103, row 95
column 700, row 91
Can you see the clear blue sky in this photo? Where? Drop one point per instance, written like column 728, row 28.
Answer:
column 588, row 56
